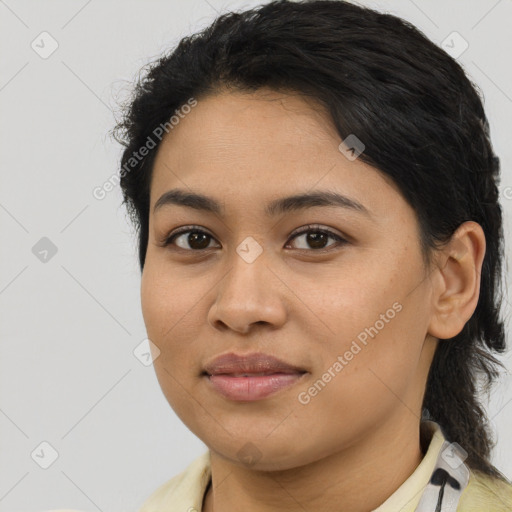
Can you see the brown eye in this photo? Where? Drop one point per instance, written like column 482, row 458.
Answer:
column 317, row 238
column 189, row 239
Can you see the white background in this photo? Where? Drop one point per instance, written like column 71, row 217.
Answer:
column 69, row 326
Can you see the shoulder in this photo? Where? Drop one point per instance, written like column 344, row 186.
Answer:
column 485, row 493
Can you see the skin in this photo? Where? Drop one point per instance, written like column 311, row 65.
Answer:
column 297, row 303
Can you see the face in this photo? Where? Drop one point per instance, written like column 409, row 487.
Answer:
column 338, row 290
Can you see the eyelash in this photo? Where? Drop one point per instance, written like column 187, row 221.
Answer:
column 168, row 240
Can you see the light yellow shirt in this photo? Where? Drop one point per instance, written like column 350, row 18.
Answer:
column 185, row 491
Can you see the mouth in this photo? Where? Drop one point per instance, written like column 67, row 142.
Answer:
column 250, row 377
column 251, row 374
column 249, row 387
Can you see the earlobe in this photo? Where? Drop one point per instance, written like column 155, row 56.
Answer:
column 457, row 284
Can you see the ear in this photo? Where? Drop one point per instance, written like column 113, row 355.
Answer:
column 456, row 281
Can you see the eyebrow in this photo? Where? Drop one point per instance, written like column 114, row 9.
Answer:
column 276, row 207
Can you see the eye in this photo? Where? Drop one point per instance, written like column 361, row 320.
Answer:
column 197, row 239
column 317, row 237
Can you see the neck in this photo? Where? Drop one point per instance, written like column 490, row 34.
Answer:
column 358, row 478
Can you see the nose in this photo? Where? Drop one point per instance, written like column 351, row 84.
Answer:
column 250, row 293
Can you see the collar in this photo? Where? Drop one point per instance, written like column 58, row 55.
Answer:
column 441, row 466
column 434, row 486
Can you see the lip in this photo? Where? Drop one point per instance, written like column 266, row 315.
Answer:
column 250, row 377
column 257, row 362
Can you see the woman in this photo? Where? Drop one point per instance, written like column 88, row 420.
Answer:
column 320, row 240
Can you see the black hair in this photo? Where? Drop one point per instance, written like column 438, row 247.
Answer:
column 422, row 122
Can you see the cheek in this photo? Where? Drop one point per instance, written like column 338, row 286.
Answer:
column 359, row 383
column 155, row 305
column 357, row 298
column 377, row 327
column 171, row 326
column 167, row 302
column 171, row 307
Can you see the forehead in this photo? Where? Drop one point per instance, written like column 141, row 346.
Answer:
column 247, row 146
column 236, row 126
